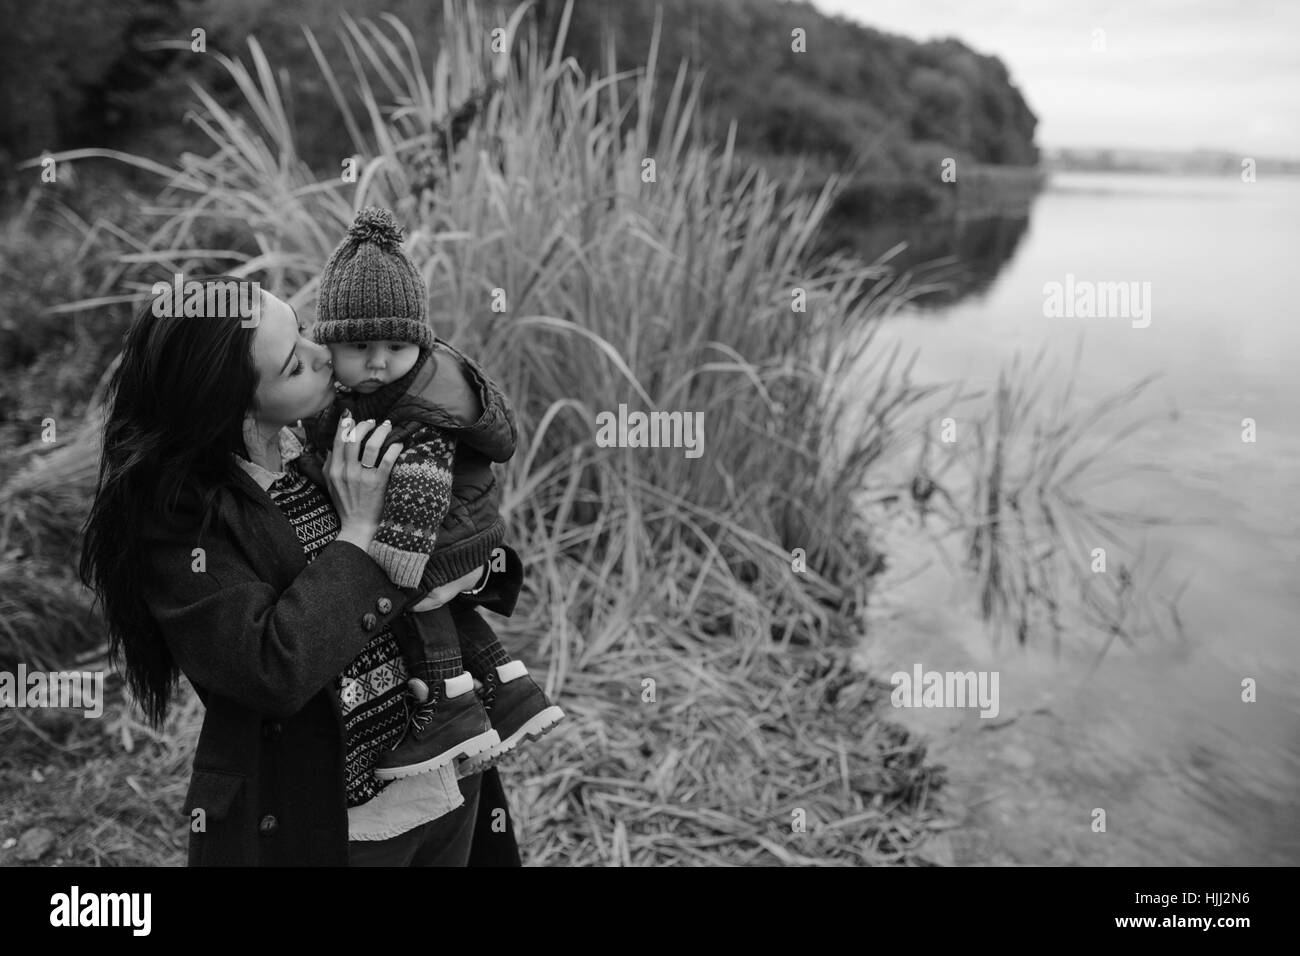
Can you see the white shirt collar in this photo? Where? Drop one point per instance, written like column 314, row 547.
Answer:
column 290, row 448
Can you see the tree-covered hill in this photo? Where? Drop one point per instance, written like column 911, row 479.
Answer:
column 75, row 74
column 853, row 87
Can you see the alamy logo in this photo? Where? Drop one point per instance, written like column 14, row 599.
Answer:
column 211, row 298
column 80, row 690
column 1084, row 299
column 653, row 430
column 946, row 689
column 102, row 909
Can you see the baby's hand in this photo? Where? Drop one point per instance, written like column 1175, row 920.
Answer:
column 429, row 602
column 441, row 595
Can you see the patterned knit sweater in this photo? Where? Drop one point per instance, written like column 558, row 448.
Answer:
column 371, row 688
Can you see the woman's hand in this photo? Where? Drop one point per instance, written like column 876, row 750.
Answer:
column 441, row 595
column 355, row 480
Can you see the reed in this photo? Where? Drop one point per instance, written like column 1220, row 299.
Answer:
column 1022, row 496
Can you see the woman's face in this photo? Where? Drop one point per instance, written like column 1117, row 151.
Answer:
column 294, row 373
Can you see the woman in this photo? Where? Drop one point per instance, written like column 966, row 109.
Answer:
column 219, row 551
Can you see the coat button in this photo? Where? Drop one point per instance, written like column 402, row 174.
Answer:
column 383, row 605
column 271, row 729
column 268, row 825
column 369, row 621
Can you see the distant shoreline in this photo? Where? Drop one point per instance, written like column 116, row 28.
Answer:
column 1190, row 163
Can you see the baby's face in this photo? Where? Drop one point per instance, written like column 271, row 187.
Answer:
column 365, row 366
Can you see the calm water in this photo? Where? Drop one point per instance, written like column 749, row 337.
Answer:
column 1160, row 736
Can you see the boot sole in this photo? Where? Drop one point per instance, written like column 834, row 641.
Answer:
column 536, row 726
column 470, row 748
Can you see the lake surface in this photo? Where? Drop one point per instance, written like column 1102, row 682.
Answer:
column 1188, row 772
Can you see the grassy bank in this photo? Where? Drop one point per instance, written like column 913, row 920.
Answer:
column 713, row 714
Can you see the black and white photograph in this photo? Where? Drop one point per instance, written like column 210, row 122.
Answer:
column 651, row 433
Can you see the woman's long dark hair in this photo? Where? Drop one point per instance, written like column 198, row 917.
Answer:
column 174, row 412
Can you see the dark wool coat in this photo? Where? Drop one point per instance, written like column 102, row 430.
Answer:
column 261, row 634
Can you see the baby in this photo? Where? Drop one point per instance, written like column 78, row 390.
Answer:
column 440, row 530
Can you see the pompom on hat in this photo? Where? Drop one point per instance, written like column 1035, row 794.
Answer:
column 370, row 290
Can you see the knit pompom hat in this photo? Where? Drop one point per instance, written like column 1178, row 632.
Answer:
column 370, row 290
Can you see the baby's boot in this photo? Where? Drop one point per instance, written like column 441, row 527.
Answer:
column 448, row 721
column 518, row 709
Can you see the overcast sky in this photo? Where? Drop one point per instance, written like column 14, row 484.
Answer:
column 1176, row 74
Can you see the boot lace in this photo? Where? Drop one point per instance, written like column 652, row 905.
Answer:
column 421, row 714
column 490, row 684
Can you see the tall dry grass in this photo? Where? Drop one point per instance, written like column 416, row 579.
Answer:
column 673, row 294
